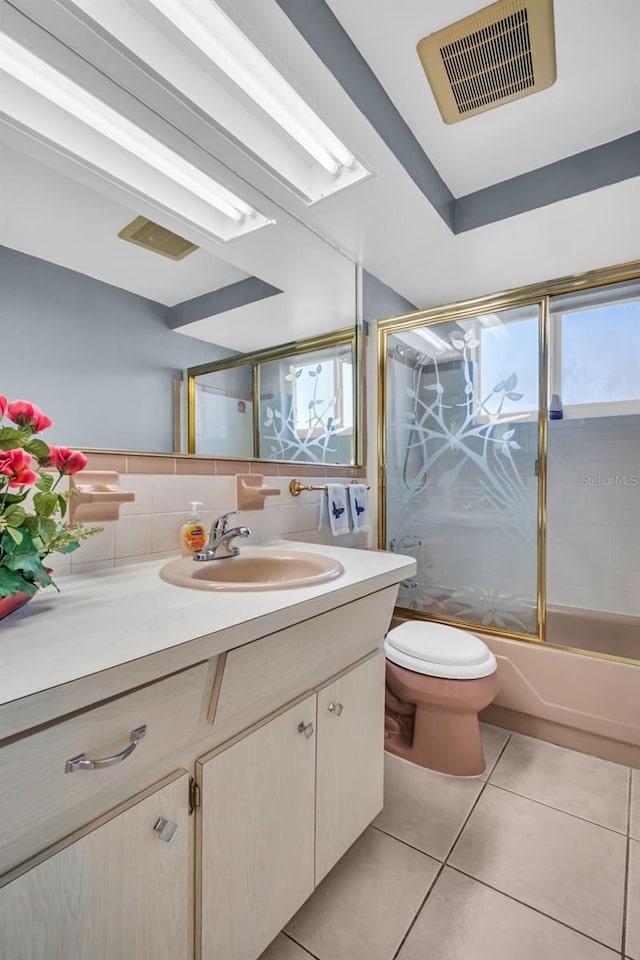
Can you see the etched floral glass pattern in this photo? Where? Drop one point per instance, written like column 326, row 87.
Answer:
column 306, row 407
column 462, row 449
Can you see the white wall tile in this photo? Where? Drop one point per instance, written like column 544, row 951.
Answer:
column 150, row 526
column 133, row 536
column 100, row 546
column 165, row 532
column 140, row 485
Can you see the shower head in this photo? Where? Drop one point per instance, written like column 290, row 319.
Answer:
column 404, row 351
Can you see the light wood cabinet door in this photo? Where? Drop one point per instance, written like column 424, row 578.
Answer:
column 350, row 758
column 257, row 834
column 117, row 892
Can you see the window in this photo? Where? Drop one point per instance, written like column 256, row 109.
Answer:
column 595, row 366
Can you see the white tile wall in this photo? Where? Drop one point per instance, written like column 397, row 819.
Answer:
column 593, row 553
column 149, row 527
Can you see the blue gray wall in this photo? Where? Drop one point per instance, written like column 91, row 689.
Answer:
column 380, row 301
column 99, row 360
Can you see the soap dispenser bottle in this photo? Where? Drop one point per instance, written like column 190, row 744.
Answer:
column 192, row 533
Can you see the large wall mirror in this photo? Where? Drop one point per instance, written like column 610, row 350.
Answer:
column 115, row 281
column 291, row 403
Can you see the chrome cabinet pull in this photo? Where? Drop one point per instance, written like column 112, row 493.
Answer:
column 164, row 829
column 306, row 728
column 81, row 762
column 336, row 708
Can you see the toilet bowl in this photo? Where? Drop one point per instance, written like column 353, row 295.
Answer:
column 438, row 679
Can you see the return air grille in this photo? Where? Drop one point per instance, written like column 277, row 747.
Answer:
column 501, row 53
column 145, row 233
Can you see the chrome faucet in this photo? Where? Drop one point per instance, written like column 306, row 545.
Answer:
column 220, row 537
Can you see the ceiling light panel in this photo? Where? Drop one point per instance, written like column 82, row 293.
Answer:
column 201, row 52
column 133, row 156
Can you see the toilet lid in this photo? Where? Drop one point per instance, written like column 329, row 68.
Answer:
column 437, row 650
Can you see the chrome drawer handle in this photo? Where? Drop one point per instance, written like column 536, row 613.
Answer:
column 306, row 728
column 336, row 708
column 82, row 763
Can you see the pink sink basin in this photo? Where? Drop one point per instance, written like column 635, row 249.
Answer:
column 253, row 570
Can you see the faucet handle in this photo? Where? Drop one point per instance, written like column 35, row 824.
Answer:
column 221, row 525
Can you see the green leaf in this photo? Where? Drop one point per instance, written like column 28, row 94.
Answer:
column 21, row 556
column 38, row 448
column 11, row 583
column 45, row 482
column 10, row 498
column 68, row 547
column 47, row 530
column 16, row 535
column 45, row 503
column 14, row 516
column 11, row 438
column 62, row 505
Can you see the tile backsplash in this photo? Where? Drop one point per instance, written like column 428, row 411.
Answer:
column 593, row 532
column 149, row 527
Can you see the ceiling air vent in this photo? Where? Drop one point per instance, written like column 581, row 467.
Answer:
column 153, row 237
column 503, row 52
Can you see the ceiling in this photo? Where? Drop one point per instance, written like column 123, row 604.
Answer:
column 595, row 99
column 386, row 222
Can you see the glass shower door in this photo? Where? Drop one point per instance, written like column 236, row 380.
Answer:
column 462, row 456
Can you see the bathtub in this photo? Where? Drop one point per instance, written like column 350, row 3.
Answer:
column 581, row 702
column 613, row 634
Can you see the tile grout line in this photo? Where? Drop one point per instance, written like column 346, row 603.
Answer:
column 475, row 803
column 627, row 867
column 419, row 910
column 528, row 906
column 293, row 940
column 514, row 793
column 444, row 862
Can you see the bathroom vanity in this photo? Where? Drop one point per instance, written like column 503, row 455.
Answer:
column 243, row 736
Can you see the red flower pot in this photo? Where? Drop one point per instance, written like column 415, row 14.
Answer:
column 11, row 604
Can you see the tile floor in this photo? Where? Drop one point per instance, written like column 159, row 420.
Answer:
column 537, row 859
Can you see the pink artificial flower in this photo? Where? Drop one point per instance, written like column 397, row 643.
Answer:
column 26, row 414
column 3, row 406
column 65, row 460
column 15, row 465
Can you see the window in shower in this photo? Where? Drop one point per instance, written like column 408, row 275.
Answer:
column 595, row 352
column 462, row 445
column 593, row 473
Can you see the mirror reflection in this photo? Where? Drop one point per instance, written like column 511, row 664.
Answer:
column 293, row 404
column 99, row 331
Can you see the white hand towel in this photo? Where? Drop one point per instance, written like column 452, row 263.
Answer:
column 359, row 507
column 334, row 513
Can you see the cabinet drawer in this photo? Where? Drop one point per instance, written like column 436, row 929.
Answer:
column 40, row 803
column 264, row 675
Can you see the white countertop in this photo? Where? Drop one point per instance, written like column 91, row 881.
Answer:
column 128, row 618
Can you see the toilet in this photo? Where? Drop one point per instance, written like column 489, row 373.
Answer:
column 438, row 678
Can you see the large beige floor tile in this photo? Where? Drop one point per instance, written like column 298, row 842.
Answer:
column 493, row 740
column 284, row 949
column 635, row 804
column 568, row 868
column 423, row 808
column 587, row 787
column 464, row 920
column 632, row 948
column 363, row 908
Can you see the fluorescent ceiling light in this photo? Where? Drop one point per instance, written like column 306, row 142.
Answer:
column 433, row 339
column 218, row 37
column 69, row 96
